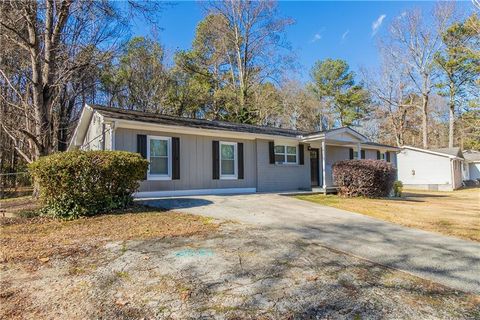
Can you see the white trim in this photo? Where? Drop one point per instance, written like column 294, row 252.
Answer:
column 168, row 176
column 432, row 152
column 178, row 193
column 233, row 176
column 324, row 165
column 325, row 135
column 81, row 127
column 286, row 154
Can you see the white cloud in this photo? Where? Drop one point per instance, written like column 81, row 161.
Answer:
column 316, row 37
column 345, row 34
column 377, row 24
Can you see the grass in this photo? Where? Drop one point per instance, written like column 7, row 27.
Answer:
column 454, row 213
column 39, row 239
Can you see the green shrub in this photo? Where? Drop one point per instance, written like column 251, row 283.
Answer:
column 367, row 178
column 84, row 183
column 397, row 188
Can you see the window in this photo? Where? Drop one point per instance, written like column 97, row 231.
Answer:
column 159, row 153
column 228, row 160
column 383, row 156
column 355, row 154
column 286, row 154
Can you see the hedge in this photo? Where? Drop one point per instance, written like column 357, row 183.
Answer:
column 84, row 183
column 368, row 178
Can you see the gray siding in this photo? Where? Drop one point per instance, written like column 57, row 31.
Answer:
column 334, row 154
column 273, row 177
column 195, row 162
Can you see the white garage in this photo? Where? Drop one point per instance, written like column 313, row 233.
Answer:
column 439, row 169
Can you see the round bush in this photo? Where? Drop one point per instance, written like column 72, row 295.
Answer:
column 84, row 183
column 367, row 178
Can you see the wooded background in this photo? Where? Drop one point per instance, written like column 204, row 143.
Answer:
column 58, row 55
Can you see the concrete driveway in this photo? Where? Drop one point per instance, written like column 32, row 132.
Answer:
column 446, row 260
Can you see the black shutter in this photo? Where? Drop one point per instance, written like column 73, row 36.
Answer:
column 301, row 153
column 176, row 158
column 388, row 156
column 362, row 154
column 351, row 154
column 271, row 152
column 378, row 155
column 240, row 161
column 142, row 147
column 215, row 160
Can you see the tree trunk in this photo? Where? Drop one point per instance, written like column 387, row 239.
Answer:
column 425, row 121
column 451, row 119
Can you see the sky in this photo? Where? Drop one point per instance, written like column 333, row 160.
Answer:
column 322, row 29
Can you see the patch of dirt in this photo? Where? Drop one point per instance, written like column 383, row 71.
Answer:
column 236, row 272
column 13, row 206
column 41, row 239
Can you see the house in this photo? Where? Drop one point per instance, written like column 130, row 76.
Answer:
column 193, row 156
column 472, row 164
column 436, row 169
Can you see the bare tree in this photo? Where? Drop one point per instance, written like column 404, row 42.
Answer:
column 393, row 93
column 413, row 42
column 253, row 40
column 61, row 43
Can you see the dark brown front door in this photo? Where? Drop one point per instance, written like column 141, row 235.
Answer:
column 314, row 176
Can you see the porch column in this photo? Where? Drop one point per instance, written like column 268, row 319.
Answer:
column 324, row 183
column 359, row 151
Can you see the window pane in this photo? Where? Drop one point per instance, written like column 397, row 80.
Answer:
column 279, row 158
column 158, row 147
column 228, row 167
column 291, row 159
column 227, row 152
column 158, row 165
column 279, row 149
column 292, row 150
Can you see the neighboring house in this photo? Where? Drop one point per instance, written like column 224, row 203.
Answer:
column 472, row 164
column 193, row 156
column 436, row 169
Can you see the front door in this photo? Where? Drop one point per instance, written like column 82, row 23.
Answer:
column 314, row 172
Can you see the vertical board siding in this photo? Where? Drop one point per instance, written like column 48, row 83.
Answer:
column 195, row 162
column 275, row 177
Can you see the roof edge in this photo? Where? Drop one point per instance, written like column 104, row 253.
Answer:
column 432, row 152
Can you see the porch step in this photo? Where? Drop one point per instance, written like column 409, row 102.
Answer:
column 327, row 190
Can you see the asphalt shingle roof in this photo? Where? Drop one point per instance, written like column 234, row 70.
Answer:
column 471, row 155
column 123, row 114
column 455, row 151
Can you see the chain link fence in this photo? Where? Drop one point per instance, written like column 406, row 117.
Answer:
column 15, row 184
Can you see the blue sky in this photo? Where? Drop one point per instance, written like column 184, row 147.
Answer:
column 342, row 30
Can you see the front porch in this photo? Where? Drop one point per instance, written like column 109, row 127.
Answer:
column 329, row 147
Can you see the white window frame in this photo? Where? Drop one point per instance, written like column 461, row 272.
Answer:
column 285, row 162
column 167, row 176
column 233, row 176
column 355, row 155
column 383, row 156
